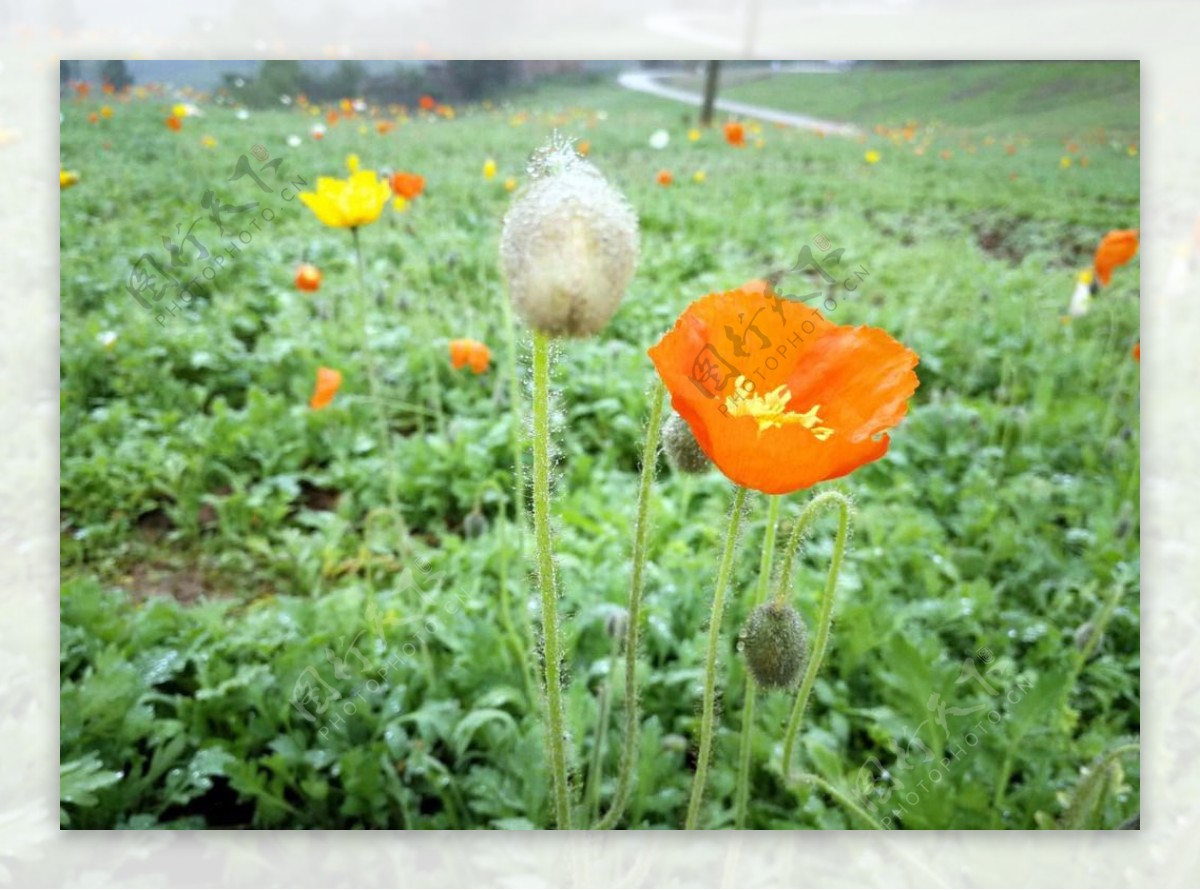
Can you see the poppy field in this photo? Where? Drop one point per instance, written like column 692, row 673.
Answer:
column 555, row 461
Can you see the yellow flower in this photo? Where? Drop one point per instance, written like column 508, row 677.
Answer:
column 348, row 202
column 699, row 176
column 872, row 157
column 67, row 178
column 489, row 169
column 399, row 204
column 106, row 112
column 180, row 111
column 208, row 142
column 1132, row 151
column 1064, row 162
column 352, row 163
column 510, row 184
column 694, row 135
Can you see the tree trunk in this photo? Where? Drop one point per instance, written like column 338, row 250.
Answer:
column 710, row 93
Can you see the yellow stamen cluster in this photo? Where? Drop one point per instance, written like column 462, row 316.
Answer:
column 770, row 410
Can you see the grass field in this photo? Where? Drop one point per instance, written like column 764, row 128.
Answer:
column 223, row 543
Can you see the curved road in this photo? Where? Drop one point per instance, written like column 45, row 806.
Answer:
column 650, row 82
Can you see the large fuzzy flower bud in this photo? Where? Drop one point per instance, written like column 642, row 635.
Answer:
column 569, row 245
column 775, row 644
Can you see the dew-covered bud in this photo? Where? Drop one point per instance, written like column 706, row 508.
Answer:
column 569, row 245
column 683, row 451
column 775, row 645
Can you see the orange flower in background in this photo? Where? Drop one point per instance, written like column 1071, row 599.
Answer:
column 664, row 177
column 735, row 134
column 308, row 277
column 1136, row 352
column 1116, row 249
column 83, row 89
column 407, row 185
column 329, row 381
column 584, row 148
column 93, row 118
column 332, row 118
column 470, row 352
column 428, row 103
column 779, row 397
column 384, row 127
column 174, row 123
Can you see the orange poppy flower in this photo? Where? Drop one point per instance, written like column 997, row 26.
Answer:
column 384, row 127
column 407, row 185
column 82, row 89
column 779, row 397
column 174, row 123
column 735, row 134
column 308, row 277
column 329, row 381
column 1116, row 249
column 108, row 89
column 1136, row 352
column 93, row 118
column 470, row 352
column 664, row 177
column 428, row 103
column 332, row 118
column 584, row 148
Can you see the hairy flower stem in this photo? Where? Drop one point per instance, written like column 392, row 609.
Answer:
column 385, row 431
column 594, row 774
column 825, row 620
column 710, row 664
column 641, row 531
column 552, row 668
column 742, row 794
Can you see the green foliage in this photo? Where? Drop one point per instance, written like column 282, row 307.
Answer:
column 224, row 546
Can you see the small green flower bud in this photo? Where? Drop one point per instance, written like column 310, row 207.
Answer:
column 569, row 245
column 683, row 451
column 1084, row 634
column 775, row 644
column 616, row 622
column 475, row 524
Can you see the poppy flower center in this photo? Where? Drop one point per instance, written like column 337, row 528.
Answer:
column 770, row 410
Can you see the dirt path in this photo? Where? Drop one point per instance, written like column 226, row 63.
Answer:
column 650, row 82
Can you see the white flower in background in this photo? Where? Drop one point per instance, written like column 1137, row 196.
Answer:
column 238, row 82
column 659, row 139
column 285, row 100
column 601, row 115
column 107, row 339
column 293, row 141
column 318, row 131
column 359, row 105
column 1081, row 300
column 242, row 114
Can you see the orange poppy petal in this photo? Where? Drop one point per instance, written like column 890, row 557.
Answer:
column 329, row 381
column 779, row 397
column 1116, row 248
column 470, row 352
